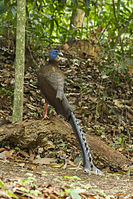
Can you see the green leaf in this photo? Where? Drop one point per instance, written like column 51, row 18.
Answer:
column 11, row 194
column 24, row 189
column 29, row 174
column 13, row 11
column 74, row 194
column 129, row 61
column 1, row 184
column 125, row 7
column 72, row 177
column 123, row 65
column 100, row 191
column 2, row 7
column 44, row 173
column 87, row 3
column 108, row 72
column 63, row 1
column 35, row 192
column 75, row 2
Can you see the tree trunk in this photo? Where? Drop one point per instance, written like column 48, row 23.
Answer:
column 20, row 60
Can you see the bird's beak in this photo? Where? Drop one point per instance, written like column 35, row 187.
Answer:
column 60, row 53
column 59, row 56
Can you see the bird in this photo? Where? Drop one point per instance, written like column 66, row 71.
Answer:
column 51, row 83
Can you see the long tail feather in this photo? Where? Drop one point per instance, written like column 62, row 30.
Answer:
column 87, row 158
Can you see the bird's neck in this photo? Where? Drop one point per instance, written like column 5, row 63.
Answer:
column 53, row 61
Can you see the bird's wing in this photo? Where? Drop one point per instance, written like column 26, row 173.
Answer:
column 56, row 81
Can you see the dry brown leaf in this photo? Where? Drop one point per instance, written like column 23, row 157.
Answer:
column 45, row 161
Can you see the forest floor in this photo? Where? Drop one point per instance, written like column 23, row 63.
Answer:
column 48, row 182
column 103, row 107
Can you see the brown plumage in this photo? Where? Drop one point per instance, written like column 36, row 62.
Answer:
column 51, row 82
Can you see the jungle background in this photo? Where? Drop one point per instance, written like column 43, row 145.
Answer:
column 41, row 159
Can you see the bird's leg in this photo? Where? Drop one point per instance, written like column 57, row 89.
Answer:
column 46, row 110
column 45, row 114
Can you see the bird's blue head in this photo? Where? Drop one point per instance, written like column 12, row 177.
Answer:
column 54, row 53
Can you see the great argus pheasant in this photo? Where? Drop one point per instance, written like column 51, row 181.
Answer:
column 51, row 83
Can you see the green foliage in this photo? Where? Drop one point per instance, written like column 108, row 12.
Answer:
column 50, row 21
column 44, row 173
column 74, row 194
column 7, row 91
column 106, row 24
column 121, row 141
column 2, row 7
column 2, row 185
column 72, row 177
column 113, row 64
column 31, row 188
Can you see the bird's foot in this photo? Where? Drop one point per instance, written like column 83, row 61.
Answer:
column 45, row 114
column 45, row 117
column 54, row 112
